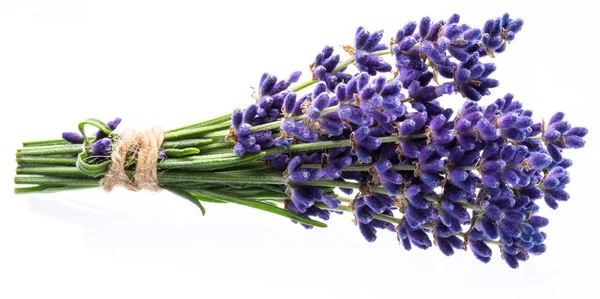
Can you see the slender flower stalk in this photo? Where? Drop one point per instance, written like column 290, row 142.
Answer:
column 373, row 126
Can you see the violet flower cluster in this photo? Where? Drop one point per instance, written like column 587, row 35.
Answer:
column 460, row 180
column 374, row 126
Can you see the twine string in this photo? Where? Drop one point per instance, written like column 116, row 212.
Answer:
column 142, row 147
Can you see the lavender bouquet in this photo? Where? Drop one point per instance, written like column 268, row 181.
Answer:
column 373, row 130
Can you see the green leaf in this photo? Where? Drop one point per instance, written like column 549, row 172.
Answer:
column 100, row 125
column 262, row 206
column 178, row 153
column 93, row 170
column 190, row 197
column 208, row 199
column 187, row 143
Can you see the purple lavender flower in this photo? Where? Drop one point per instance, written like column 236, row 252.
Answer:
column 498, row 32
column 102, row 147
column 72, row 137
column 364, row 210
column 365, row 43
column 323, row 69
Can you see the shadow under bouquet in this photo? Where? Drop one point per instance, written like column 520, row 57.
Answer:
column 368, row 136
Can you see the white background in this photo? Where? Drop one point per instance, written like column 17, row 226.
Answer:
column 176, row 62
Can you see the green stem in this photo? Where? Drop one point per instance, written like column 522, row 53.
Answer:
column 343, row 64
column 303, row 85
column 49, row 188
column 217, row 145
column 41, row 160
column 55, row 181
column 44, row 142
column 209, row 122
column 165, row 178
column 303, row 147
column 320, row 145
column 50, row 150
column 55, row 171
column 196, row 132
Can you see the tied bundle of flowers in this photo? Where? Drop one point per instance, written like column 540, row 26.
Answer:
column 364, row 126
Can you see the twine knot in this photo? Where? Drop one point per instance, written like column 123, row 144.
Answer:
column 139, row 148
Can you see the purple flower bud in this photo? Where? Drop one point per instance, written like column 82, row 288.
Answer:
column 243, row 130
column 295, row 76
column 236, row 118
column 538, row 160
column 419, row 237
column 554, row 152
column 407, row 43
column 332, row 123
column 250, row 113
column 537, row 249
column 508, row 120
column 445, row 246
column 480, row 248
column 493, row 165
column 574, row 142
column 102, row 147
column 373, row 40
column 301, row 175
column 561, row 126
column 289, row 103
column 510, row 229
column 443, row 43
column 552, row 135
column 515, row 26
column 424, row 26
column 299, row 130
column 470, row 92
column 383, row 165
column 494, row 212
column 472, row 34
column 354, row 115
column 487, row 131
column 462, row 76
column 557, row 194
column 370, row 143
column 409, row 28
column 514, row 216
column 558, row 116
column 511, row 260
column 487, row 226
column 267, row 84
column 265, row 102
column 367, row 231
column 161, row 155
column 538, row 237
column 577, row 131
column 72, row 137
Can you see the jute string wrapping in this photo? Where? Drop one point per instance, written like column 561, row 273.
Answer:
column 143, row 146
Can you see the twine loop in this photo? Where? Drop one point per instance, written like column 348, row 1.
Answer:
column 141, row 148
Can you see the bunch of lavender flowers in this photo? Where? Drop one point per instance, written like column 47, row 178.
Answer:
column 371, row 127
